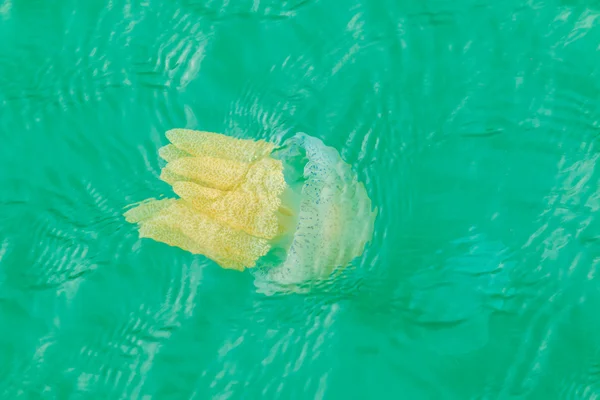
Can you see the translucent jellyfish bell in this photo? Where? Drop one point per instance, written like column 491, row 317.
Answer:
column 292, row 213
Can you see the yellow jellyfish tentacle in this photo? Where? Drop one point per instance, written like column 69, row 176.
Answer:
column 201, row 143
column 146, row 209
column 171, row 153
column 181, row 226
column 230, row 199
column 244, row 195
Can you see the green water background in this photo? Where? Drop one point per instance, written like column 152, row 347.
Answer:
column 474, row 125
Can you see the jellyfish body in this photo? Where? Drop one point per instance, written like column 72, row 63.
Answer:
column 240, row 200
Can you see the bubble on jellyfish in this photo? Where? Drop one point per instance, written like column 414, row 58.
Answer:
column 293, row 214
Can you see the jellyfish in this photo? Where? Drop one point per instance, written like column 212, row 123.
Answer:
column 292, row 213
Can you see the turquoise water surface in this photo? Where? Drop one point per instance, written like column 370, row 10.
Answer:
column 474, row 125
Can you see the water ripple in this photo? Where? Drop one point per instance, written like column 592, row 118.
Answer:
column 265, row 9
column 473, row 125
